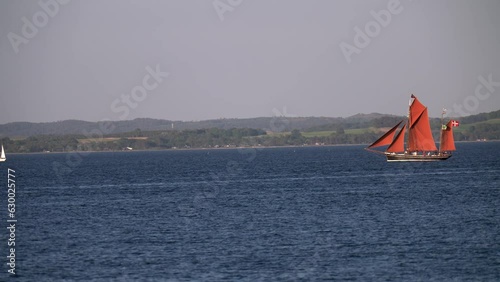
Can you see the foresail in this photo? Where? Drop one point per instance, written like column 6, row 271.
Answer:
column 398, row 145
column 387, row 138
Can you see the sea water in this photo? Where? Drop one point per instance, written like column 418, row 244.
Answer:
column 273, row 214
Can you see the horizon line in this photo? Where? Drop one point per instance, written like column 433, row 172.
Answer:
column 233, row 118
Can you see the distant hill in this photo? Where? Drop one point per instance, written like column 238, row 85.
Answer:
column 273, row 124
column 358, row 121
column 151, row 134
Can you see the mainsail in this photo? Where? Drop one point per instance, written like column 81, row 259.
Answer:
column 420, row 134
column 447, row 141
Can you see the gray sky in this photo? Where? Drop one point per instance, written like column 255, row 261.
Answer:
column 248, row 58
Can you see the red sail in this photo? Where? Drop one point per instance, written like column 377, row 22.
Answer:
column 386, row 139
column 447, row 141
column 398, row 145
column 420, row 134
column 416, row 109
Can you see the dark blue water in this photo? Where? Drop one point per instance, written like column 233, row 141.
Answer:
column 256, row 215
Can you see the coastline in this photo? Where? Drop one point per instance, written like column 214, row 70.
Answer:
column 190, row 149
column 221, row 148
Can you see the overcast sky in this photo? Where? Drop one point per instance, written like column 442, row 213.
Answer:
column 244, row 58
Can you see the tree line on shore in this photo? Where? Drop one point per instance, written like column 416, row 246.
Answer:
column 214, row 138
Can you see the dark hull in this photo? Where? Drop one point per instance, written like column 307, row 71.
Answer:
column 416, row 158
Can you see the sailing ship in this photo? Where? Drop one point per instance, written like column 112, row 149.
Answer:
column 420, row 146
column 2, row 156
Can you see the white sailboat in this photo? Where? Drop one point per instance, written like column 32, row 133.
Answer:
column 2, row 157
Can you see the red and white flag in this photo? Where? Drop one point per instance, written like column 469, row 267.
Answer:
column 455, row 123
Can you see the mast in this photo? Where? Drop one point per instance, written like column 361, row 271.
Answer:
column 408, row 122
column 441, row 132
